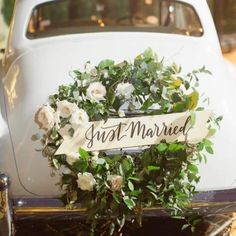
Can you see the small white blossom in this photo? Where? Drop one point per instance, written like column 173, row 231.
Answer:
column 88, row 67
column 72, row 158
column 121, row 113
column 66, row 108
column 77, row 96
column 96, row 92
column 78, row 118
column 124, row 90
column 45, row 118
column 116, row 182
column 155, row 106
column 86, row 181
column 153, row 88
column 105, row 74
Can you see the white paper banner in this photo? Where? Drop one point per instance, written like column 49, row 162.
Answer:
column 137, row 131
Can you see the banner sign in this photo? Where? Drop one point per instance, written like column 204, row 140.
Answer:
column 137, row 131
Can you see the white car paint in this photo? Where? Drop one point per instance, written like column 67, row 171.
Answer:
column 33, row 69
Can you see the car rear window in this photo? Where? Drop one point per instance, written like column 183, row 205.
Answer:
column 83, row 16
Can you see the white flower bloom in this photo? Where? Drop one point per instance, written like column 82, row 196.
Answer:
column 153, row 88
column 77, row 96
column 66, row 108
column 105, row 74
column 95, row 154
column 96, row 92
column 45, row 117
column 86, row 181
column 155, row 106
column 121, row 113
column 72, row 158
column 125, row 90
column 78, row 118
column 88, row 67
column 116, row 182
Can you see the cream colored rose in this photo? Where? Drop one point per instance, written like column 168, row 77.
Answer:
column 124, row 90
column 116, row 182
column 72, row 158
column 78, row 118
column 45, row 117
column 86, row 181
column 96, row 92
column 66, row 108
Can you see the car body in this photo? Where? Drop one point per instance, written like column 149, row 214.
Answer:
column 35, row 64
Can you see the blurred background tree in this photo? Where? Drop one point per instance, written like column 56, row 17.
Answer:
column 7, row 9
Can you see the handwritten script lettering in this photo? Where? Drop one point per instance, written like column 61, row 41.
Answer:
column 137, row 131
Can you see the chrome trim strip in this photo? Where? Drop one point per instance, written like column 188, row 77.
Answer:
column 6, row 223
column 205, row 203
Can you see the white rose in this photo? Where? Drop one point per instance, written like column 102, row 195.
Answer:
column 86, row 181
column 78, row 118
column 44, row 117
column 116, row 182
column 96, row 92
column 121, row 113
column 72, row 158
column 66, row 108
column 124, row 90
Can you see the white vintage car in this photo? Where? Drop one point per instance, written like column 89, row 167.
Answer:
column 48, row 39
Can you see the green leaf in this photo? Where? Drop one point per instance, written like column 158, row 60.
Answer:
column 147, row 104
column 193, row 100
column 175, row 147
column 115, row 197
column 208, row 143
column 209, row 149
column 152, row 188
column 112, row 229
column 131, row 186
column 129, row 202
column 83, row 154
column 193, row 168
column 106, row 64
column 193, row 118
column 56, row 163
column 153, row 168
column 134, row 178
column 185, row 226
column 162, row 147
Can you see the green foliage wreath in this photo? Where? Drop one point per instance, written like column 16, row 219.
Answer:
column 117, row 187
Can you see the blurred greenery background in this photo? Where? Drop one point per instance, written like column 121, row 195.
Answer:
column 224, row 13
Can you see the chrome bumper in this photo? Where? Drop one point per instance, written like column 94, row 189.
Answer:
column 6, row 225
column 204, row 203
